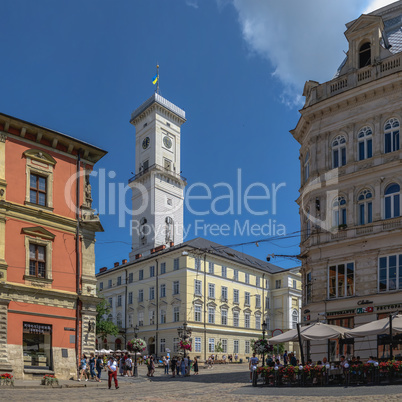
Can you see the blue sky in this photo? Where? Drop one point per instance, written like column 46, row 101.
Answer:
column 237, row 67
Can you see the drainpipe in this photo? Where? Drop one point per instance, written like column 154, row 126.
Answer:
column 205, row 306
column 77, row 262
column 125, row 312
column 157, row 307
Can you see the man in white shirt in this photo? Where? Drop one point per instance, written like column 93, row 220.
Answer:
column 112, row 371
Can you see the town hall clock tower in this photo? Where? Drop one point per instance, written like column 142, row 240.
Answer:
column 157, row 187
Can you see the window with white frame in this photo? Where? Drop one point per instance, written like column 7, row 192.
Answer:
column 224, row 293
column 130, row 297
column 390, row 273
column 365, row 207
column 197, row 313
column 224, row 345
column 306, row 166
column 266, row 302
column 257, row 281
column 257, row 321
column 211, row 345
column 101, row 286
column 130, row 277
column 197, row 263
column 339, row 212
column 119, row 321
column 151, row 317
column 278, row 284
column 246, row 298
column 175, row 345
column 176, row 314
column 152, row 293
column 211, row 267
column 162, row 290
column 163, row 268
column 365, row 143
column 140, row 318
column 224, row 272
column 140, row 274
column 110, row 302
column 163, row 345
column 295, row 319
column 247, row 347
column 341, row 279
column 391, row 135
column 236, row 322
column 118, row 280
column 392, row 201
column 119, row 301
column 151, row 271
column 109, row 283
column 140, row 295
column 236, row 296
column 163, row 316
column 294, row 284
column 235, row 274
column 257, row 301
column 247, row 320
column 211, row 290
column 197, row 344
column 211, row 315
column 130, row 320
column 224, row 316
column 176, row 287
column 339, row 151
column 247, row 277
column 176, row 263
column 197, row 287
column 236, row 346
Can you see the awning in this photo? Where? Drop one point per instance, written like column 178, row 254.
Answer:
column 378, row 327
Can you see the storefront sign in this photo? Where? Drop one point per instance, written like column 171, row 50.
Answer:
column 343, row 312
column 362, row 310
column 360, row 302
column 33, row 328
column 389, row 307
column 69, row 329
column 306, row 318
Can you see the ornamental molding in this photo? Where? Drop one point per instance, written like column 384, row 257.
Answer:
column 3, row 136
column 40, row 156
column 38, row 231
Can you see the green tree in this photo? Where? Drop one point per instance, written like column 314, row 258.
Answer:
column 104, row 326
column 218, row 347
column 279, row 349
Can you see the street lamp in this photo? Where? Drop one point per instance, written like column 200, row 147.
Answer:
column 136, row 329
column 264, row 329
column 184, row 332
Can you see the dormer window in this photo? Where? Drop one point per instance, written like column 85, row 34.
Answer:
column 365, row 55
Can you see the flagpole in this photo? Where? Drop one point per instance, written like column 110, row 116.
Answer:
column 157, row 83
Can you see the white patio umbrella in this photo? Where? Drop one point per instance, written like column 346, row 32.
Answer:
column 379, row 327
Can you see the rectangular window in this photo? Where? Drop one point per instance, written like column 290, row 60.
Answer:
column 197, row 313
column 341, row 280
column 163, row 316
column 163, row 343
column 163, row 268
column 163, row 291
column 198, row 287
column 294, row 284
column 141, row 275
column 176, row 314
column 224, row 272
column 224, row 345
column 151, row 317
column 175, row 264
column 130, row 297
column 130, row 277
column 211, row 290
column 140, row 318
column 118, row 280
column 119, row 301
column 37, row 344
column 224, row 293
column 37, row 260
column 236, row 346
column 211, row 267
column 101, row 286
column 236, row 296
column 246, row 298
column 235, row 274
column 257, row 281
column 266, row 302
column 390, row 273
column 247, row 347
column 197, row 345
column 211, row 315
column 175, row 345
column 152, row 293
column 257, row 321
column 224, row 317
column 235, row 318
column 211, row 345
column 257, row 301
column 197, row 263
column 140, row 296
column 309, row 285
column 247, row 320
column 110, row 302
column 38, row 189
column 176, row 287
column 278, row 284
column 109, row 283
column 247, row 278
column 151, row 271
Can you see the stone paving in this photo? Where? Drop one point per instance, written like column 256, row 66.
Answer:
column 223, row 382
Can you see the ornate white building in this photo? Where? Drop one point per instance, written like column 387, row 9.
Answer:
column 350, row 194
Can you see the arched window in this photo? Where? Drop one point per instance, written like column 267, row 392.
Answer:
column 391, row 135
column 365, row 206
column 295, row 319
column 339, row 212
column 365, row 55
column 110, row 317
column 365, row 140
column 392, row 201
column 338, row 151
column 306, row 166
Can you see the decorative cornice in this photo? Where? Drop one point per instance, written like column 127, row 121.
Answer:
column 38, row 231
column 40, row 156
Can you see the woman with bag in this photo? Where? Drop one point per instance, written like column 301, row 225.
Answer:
column 83, row 368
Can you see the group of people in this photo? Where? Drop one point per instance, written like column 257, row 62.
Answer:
column 180, row 366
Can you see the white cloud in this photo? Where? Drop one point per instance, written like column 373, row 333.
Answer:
column 303, row 40
column 192, row 3
column 376, row 4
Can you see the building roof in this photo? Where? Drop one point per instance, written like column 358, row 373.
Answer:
column 209, row 247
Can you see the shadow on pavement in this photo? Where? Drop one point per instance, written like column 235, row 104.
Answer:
column 210, row 377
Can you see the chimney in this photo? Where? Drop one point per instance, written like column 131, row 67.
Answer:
column 137, row 256
column 124, row 261
column 103, row 269
column 116, row 264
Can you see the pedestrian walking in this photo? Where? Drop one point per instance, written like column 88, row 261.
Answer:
column 166, row 364
column 285, row 358
column 129, row 366
column 252, row 365
column 83, row 368
column 92, row 363
column 99, row 367
column 195, row 365
column 112, row 372
column 183, row 367
column 173, row 365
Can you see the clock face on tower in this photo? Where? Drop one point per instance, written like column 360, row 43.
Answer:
column 167, row 142
column 145, row 143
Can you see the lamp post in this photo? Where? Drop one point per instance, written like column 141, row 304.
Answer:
column 136, row 329
column 184, row 332
column 264, row 329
